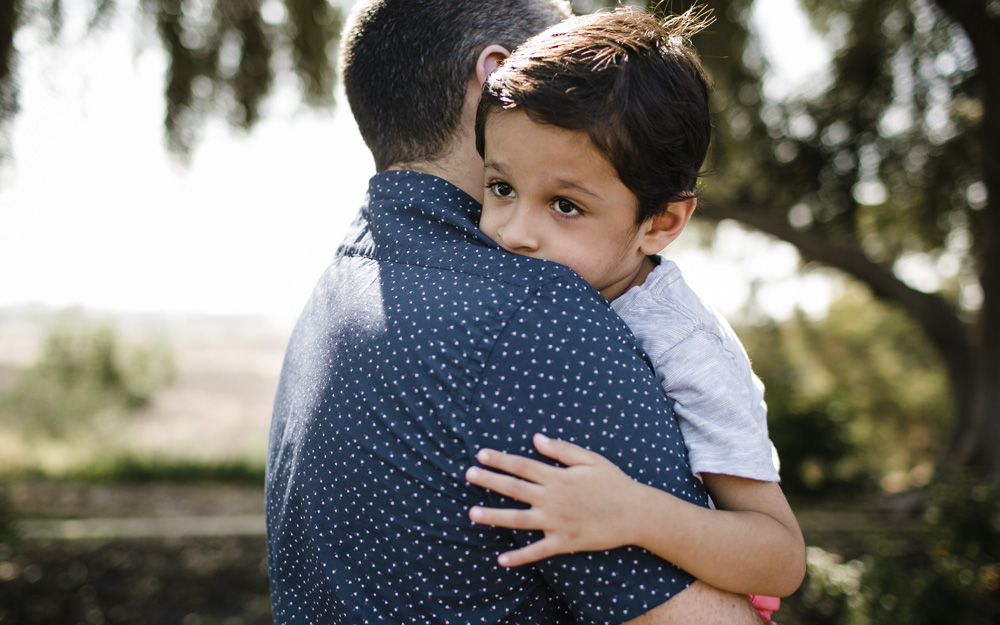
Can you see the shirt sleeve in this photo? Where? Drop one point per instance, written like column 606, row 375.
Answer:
column 567, row 366
column 720, row 405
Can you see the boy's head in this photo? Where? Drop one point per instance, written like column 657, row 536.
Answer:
column 406, row 66
column 631, row 82
column 593, row 134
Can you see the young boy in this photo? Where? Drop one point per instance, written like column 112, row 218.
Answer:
column 593, row 135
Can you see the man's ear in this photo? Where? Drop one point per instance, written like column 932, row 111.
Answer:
column 660, row 231
column 489, row 59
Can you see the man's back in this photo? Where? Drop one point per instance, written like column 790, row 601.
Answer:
column 422, row 344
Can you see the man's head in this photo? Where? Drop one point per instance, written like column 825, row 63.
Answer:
column 406, row 66
column 631, row 82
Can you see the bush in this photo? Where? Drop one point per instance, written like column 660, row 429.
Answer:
column 857, row 400
column 127, row 468
column 948, row 573
column 87, row 378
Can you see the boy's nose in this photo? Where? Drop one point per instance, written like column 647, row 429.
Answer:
column 517, row 234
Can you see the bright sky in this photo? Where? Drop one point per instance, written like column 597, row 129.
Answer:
column 94, row 213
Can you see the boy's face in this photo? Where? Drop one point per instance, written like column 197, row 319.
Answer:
column 551, row 194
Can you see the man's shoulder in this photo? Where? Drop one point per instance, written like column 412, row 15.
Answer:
column 546, row 295
column 486, row 276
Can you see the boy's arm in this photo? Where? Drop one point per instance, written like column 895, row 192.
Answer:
column 750, row 544
column 702, row 604
column 755, row 547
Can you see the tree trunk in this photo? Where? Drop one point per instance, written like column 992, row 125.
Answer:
column 978, row 445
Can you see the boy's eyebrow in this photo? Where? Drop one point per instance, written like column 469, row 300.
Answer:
column 561, row 182
column 578, row 187
column 494, row 165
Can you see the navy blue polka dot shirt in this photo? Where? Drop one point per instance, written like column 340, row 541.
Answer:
column 422, row 343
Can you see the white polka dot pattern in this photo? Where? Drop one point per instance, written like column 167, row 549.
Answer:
column 421, row 344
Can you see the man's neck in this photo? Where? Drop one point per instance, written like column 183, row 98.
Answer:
column 463, row 171
column 461, row 165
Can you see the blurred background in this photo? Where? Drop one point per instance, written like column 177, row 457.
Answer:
column 175, row 174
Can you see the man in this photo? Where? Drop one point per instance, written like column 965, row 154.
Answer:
column 424, row 342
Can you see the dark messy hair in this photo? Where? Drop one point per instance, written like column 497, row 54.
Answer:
column 406, row 64
column 632, row 82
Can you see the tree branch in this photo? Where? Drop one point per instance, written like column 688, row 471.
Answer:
column 936, row 317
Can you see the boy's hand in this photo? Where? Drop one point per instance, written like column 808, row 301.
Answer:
column 585, row 506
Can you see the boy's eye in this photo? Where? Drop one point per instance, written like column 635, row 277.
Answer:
column 501, row 189
column 565, row 207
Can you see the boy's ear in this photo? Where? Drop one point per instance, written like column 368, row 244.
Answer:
column 665, row 227
column 489, row 59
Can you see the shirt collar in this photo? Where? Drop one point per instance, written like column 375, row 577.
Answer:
column 423, row 205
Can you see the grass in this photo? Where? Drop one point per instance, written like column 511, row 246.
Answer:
column 127, row 468
column 144, row 469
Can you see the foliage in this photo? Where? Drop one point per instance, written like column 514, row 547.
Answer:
column 224, row 55
column 855, row 399
column 195, row 581
column 948, row 573
column 131, row 469
column 108, row 465
column 9, row 18
column 86, row 380
column 884, row 168
column 874, row 159
column 8, row 533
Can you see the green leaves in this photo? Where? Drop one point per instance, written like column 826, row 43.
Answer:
column 224, row 57
column 87, row 379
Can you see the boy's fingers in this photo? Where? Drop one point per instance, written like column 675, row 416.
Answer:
column 515, row 465
column 563, row 451
column 503, row 484
column 511, row 518
column 534, row 552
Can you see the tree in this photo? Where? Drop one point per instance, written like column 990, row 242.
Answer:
column 223, row 55
column 895, row 164
column 843, row 423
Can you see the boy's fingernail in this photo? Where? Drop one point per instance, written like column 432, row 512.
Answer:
column 542, row 438
column 472, row 473
column 483, row 455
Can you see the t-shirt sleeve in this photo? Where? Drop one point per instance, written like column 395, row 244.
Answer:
column 567, row 366
column 720, row 405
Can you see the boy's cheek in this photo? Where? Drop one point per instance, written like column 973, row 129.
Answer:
column 487, row 225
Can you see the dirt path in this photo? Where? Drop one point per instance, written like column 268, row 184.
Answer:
column 218, row 408
column 48, row 511
column 152, row 554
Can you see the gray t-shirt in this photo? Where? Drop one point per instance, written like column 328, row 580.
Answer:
column 705, row 370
